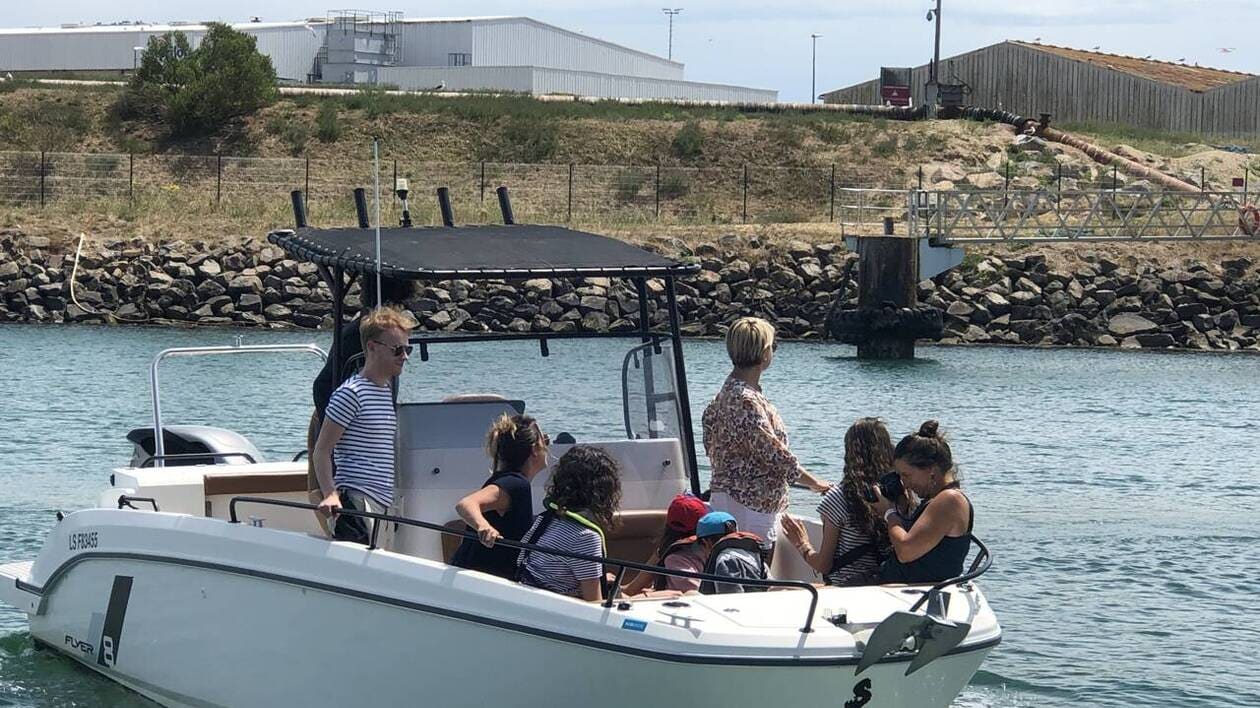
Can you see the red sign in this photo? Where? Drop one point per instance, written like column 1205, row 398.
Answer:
column 895, row 95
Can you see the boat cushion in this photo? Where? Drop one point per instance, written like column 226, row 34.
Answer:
column 242, row 484
column 634, row 536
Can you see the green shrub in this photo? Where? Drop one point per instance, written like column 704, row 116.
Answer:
column 327, row 127
column 628, row 184
column 523, row 139
column 675, row 185
column 295, row 136
column 887, row 147
column 196, row 92
column 688, row 143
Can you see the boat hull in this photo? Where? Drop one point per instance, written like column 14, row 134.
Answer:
column 195, row 636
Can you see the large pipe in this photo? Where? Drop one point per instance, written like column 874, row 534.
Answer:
column 1097, row 153
column 1131, row 167
column 360, row 207
column 444, row 204
column 299, row 208
column 505, row 205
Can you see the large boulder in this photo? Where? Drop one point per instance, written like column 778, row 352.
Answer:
column 1127, row 324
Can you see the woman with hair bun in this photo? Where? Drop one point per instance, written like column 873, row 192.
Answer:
column 932, row 544
column 504, row 506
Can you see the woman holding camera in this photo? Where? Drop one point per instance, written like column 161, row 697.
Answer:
column 854, row 539
column 932, row 544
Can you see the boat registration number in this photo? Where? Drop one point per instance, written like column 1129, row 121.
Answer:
column 80, row 540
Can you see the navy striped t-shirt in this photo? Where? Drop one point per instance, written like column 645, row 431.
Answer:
column 555, row 573
column 365, row 453
column 835, row 508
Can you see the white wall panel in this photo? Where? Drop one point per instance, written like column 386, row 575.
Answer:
column 524, row 42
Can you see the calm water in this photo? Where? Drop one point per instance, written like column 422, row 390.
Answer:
column 1117, row 490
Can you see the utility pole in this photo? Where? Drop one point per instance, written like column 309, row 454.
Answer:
column 934, row 74
column 813, row 68
column 671, row 12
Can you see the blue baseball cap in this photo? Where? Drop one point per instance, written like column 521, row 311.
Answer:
column 713, row 524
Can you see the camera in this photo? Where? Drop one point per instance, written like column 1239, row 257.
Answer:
column 889, row 485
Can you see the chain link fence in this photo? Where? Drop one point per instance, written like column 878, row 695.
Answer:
column 189, row 185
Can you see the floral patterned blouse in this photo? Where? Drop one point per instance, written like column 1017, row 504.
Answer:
column 748, row 448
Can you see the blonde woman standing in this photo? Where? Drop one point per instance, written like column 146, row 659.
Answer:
column 745, row 439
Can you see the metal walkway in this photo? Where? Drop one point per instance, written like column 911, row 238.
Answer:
column 977, row 217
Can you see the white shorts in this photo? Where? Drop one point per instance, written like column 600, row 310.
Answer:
column 764, row 525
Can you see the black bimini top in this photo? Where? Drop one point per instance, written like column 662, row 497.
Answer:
column 477, row 252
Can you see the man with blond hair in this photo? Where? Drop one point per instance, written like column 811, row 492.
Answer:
column 359, row 428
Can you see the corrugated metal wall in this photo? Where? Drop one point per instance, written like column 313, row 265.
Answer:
column 538, row 81
column 523, row 42
column 292, row 49
column 432, row 43
column 1028, row 81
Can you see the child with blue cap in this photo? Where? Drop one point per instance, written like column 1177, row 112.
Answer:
column 731, row 553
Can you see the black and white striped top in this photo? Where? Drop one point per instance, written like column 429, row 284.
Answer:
column 555, row 573
column 835, row 508
column 365, row 454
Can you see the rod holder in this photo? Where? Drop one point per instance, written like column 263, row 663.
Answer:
column 444, row 204
column 360, row 207
column 505, row 205
column 299, row 208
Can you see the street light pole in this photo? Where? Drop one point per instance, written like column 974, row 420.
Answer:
column 671, row 12
column 934, row 74
column 813, row 68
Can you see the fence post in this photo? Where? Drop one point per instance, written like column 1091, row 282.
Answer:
column 745, row 192
column 1060, row 188
column 1202, row 178
column 131, row 178
column 657, row 189
column 920, row 178
column 43, row 172
column 218, row 180
column 1115, row 183
column 1246, row 175
column 483, row 181
column 570, row 217
column 307, row 191
column 833, row 192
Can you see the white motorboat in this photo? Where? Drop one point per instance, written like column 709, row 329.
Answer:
column 204, row 579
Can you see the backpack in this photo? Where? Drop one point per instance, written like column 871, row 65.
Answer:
column 741, row 568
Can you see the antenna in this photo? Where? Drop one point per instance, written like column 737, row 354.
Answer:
column 376, row 178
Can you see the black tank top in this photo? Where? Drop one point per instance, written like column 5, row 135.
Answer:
column 943, row 562
column 513, row 525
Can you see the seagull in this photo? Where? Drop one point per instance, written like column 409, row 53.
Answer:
column 1227, row 50
column 1148, row 56
column 1182, row 60
column 1037, row 40
column 1097, row 48
column 441, row 85
column 8, row 76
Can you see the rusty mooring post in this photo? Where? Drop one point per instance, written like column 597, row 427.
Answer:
column 888, row 318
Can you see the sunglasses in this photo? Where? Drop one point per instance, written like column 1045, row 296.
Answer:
column 398, row 349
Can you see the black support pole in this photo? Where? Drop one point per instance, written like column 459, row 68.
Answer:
column 570, row 211
column 299, row 209
column 360, row 207
column 684, row 401
column 833, row 192
column 483, row 181
column 505, row 205
column 657, row 190
column 745, row 216
column 444, row 205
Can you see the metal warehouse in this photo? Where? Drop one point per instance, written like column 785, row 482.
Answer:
column 1089, row 86
column 463, row 54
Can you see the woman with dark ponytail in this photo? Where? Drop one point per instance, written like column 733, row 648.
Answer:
column 504, row 506
column 932, row 544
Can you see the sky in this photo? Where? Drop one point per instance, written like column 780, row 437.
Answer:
column 766, row 44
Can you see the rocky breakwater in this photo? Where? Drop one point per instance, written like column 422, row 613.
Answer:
column 255, row 284
column 1192, row 305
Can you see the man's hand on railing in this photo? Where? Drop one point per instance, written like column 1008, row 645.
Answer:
column 331, row 505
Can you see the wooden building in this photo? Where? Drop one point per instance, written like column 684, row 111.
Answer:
column 1091, row 87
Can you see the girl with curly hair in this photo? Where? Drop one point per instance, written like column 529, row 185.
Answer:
column 583, row 496
column 855, row 539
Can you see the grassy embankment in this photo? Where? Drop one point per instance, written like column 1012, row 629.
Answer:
column 435, row 140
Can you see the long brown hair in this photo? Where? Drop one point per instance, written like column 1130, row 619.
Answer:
column 587, row 479
column 868, row 453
